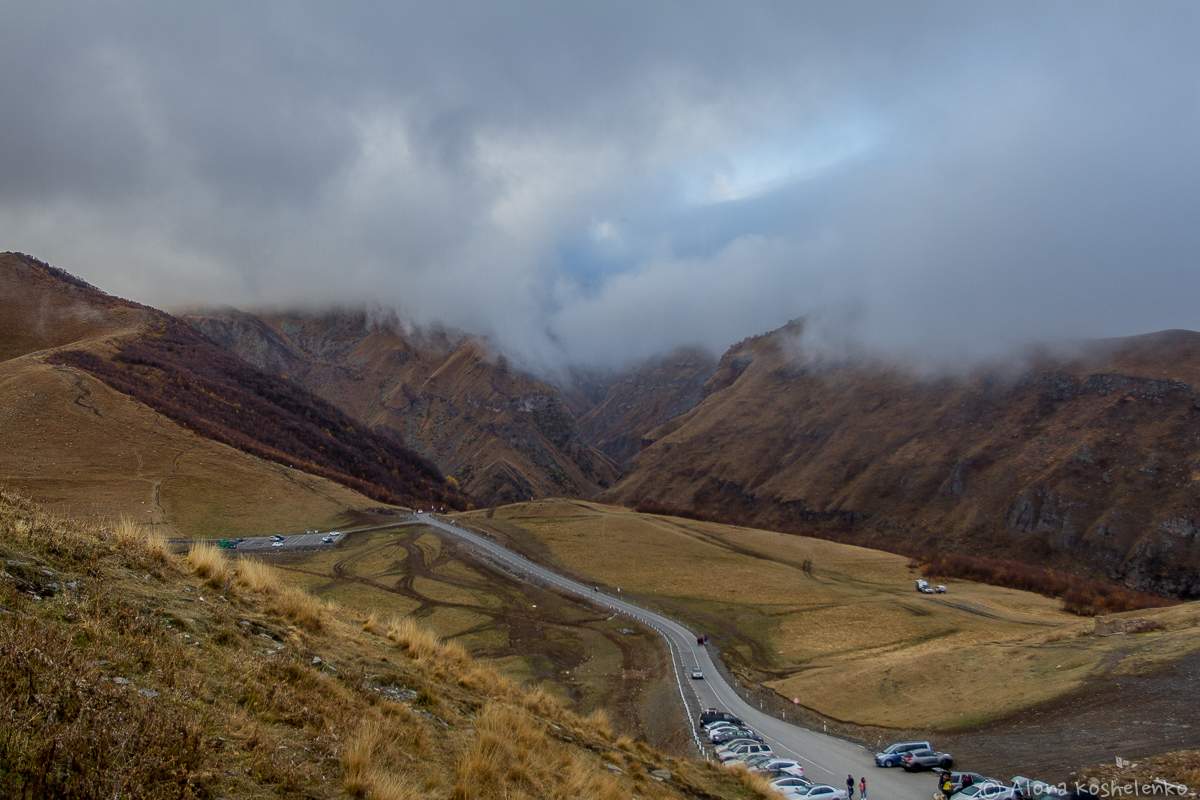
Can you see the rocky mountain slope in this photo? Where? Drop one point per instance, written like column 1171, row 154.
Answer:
column 501, row 433
column 103, row 396
column 627, row 404
column 1088, row 461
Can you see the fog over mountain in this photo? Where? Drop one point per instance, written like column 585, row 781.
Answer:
column 593, row 183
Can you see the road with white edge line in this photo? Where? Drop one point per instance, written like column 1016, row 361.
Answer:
column 826, row 759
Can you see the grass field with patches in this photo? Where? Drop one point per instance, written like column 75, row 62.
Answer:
column 850, row 638
column 530, row 634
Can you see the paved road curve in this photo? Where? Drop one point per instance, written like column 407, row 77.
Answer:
column 826, row 758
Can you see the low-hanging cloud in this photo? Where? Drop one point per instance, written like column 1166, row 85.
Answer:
column 593, row 184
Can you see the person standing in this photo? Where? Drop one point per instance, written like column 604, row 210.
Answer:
column 850, row 787
column 862, row 788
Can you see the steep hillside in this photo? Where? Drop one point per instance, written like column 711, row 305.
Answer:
column 1089, row 462
column 126, row 671
column 501, row 433
column 635, row 401
column 156, row 445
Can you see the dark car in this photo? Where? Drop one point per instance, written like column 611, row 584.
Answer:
column 890, row 756
column 713, row 715
column 925, row 758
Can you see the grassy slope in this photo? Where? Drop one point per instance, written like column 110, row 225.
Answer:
column 531, row 634
column 79, row 446
column 852, row 641
column 136, row 674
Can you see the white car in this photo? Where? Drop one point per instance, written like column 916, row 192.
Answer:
column 988, row 790
column 328, row 539
column 791, row 769
column 716, row 726
column 697, row 675
column 821, row 791
column 791, row 786
column 277, row 543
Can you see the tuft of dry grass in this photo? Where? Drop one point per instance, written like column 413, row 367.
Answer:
column 418, row 642
column 371, row 624
column 133, row 537
column 300, row 607
column 208, row 562
column 258, row 576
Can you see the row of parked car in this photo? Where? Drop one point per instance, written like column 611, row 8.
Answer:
column 919, row 755
column 734, row 742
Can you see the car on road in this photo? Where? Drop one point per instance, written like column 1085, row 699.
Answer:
column 781, row 767
column 890, row 756
column 925, row 758
column 939, row 589
column 277, row 543
column 697, row 675
column 988, row 790
column 277, row 537
column 724, row 735
column 737, row 752
column 710, row 715
column 790, row 786
column 328, row 539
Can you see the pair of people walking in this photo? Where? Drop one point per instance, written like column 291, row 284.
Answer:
column 862, row 787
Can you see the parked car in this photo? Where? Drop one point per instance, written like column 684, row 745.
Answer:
column 790, row 786
column 726, row 735
column 959, row 779
column 697, row 675
column 890, row 756
column 727, row 753
column 711, row 715
column 939, row 589
column 735, row 743
column 753, row 761
column 723, row 723
column 821, row 791
column 925, row 758
column 782, row 767
column 988, row 790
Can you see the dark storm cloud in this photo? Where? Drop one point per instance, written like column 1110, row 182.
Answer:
column 598, row 182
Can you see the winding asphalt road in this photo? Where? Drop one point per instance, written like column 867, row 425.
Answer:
column 826, row 759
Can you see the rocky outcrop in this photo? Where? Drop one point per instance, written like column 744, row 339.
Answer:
column 502, row 433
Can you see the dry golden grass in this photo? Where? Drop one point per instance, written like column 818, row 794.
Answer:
column 208, row 562
column 418, row 642
column 242, row 710
column 130, row 535
column 258, row 576
column 852, row 640
column 126, row 459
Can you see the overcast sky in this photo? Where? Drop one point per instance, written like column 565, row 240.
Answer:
column 595, row 182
